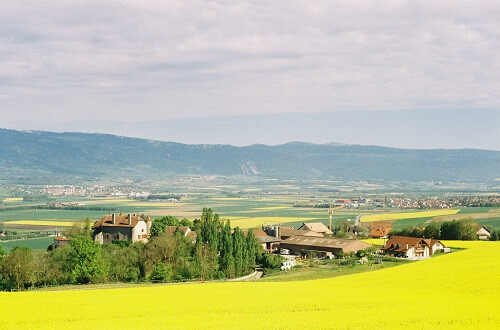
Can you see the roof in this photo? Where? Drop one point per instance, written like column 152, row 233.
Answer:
column 170, row 230
column 61, row 238
column 380, row 232
column 398, row 243
column 268, row 239
column 256, row 232
column 431, row 242
column 310, row 233
column 327, row 242
column 121, row 220
column 289, row 232
column 380, row 224
column 318, row 227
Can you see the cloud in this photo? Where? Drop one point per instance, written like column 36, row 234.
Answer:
column 159, row 60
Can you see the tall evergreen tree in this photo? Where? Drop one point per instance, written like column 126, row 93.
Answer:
column 238, row 251
column 226, row 253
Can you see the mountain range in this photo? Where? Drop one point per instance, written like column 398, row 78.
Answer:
column 36, row 153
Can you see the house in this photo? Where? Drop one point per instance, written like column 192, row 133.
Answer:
column 184, row 230
column 269, row 243
column 325, row 245
column 380, row 232
column 61, row 241
column 286, row 232
column 483, row 233
column 406, row 247
column 434, row 245
column 318, row 227
column 121, row 227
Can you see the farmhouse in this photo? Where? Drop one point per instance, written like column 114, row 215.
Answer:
column 184, row 230
column 407, row 247
column 318, row 227
column 60, row 241
column 286, row 232
column 483, row 233
column 121, row 227
column 327, row 245
column 434, row 245
column 269, row 243
column 380, row 232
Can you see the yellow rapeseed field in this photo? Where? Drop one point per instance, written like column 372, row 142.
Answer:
column 244, row 222
column 40, row 223
column 406, row 215
column 13, row 199
column 454, row 291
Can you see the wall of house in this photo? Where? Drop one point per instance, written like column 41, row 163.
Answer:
column 110, row 233
column 140, row 232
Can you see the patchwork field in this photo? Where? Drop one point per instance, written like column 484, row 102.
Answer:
column 407, row 215
column 457, row 290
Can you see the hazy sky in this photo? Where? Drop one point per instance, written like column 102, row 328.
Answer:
column 256, row 72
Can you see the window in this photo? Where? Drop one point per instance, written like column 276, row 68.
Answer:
column 143, row 230
column 138, row 236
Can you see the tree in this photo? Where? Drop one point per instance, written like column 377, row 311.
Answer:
column 85, row 260
column 253, row 249
column 162, row 273
column 124, row 262
column 17, row 268
column 494, row 236
column 47, row 270
column 226, row 252
column 238, row 251
column 432, row 230
column 81, row 228
column 159, row 224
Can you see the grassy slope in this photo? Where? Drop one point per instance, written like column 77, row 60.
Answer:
column 459, row 290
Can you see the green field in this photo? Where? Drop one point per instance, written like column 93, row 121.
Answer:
column 33, row 243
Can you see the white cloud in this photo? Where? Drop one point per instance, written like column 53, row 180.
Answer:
column 136, row 60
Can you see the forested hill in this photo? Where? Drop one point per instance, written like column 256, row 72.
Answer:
column 33, row 153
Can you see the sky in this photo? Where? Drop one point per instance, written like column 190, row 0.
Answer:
column 421, row 74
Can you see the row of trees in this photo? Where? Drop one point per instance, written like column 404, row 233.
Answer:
column 464, row 230
column 218, row 252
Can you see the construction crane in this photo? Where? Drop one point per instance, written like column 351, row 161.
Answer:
column 330, row 213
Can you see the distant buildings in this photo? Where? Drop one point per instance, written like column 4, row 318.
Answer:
column 121, row 227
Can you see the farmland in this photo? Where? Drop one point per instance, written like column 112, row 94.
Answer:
column 465, row 285
column 406, row 215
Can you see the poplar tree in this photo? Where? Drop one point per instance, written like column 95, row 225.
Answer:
column 226, row 253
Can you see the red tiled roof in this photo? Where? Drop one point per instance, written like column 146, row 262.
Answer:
column 121, row 220
column 399, row 243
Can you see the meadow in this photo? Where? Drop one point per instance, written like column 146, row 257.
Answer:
column 457, row 290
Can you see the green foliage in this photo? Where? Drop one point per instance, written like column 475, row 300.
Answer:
column 494, row 236
column 227, row 264
column 124, row 262
column 159, row 224
column 17, row 268
column 432, row 230
column 162, row 273
column 85, row 260
column 272, row 261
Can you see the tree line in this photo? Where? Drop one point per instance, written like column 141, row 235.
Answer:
column 464, row 230
column 218, row 252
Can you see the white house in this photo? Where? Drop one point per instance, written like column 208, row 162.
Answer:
column 121, row 227
column 483, row 233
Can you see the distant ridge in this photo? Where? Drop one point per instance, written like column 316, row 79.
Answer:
column 34, row 153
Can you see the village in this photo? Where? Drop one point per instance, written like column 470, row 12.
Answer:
column 312, row 241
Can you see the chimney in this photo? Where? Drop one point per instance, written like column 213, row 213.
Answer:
column 277, row 232
column 129, row 219
column 113, row 218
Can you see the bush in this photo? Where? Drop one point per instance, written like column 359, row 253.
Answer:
column 272, row 261
column 161, row 273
